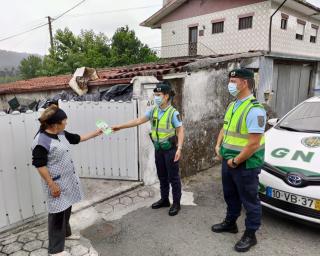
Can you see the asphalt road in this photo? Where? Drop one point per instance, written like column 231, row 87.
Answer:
column 154, row 233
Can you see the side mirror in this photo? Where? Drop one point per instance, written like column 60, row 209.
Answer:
column 273, row 121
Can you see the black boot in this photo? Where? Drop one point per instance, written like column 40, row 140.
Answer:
column 225, row 226
column 161, row 203
column 246, row 242
column 174, row 210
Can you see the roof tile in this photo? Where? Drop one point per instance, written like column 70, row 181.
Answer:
column 107, row 76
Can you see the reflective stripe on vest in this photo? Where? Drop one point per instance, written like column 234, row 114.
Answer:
column 236, row 135
column 162, row 130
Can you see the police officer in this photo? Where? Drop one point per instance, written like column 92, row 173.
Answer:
column 240, row 145
column 167, row 135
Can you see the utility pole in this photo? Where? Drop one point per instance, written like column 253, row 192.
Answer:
column 50, row 31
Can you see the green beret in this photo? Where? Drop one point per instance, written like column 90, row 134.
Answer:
column 163, row 87
column 241, row 73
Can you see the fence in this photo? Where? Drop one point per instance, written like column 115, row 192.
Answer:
column 21, row 195
column 113, row 157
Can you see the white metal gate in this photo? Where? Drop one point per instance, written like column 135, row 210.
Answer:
column 21, row 195
column 111, row 157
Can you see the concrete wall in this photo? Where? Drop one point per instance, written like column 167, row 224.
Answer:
column 175, row 33
column 265, row 78
column 143, row 93
column 284, row 41
column 194, row 8
column 204, row 100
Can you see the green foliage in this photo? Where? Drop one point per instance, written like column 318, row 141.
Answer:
column 90, row 50
column 127, row 49
column 30, row 67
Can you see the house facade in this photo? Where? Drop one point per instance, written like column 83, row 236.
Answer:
column 287, row 72
column 213, row 27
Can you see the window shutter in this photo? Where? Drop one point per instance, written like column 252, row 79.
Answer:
column 300, row 29
column 314, row 32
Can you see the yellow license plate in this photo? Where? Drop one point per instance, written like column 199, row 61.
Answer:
column 317, row 205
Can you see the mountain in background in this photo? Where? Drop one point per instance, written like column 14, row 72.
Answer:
column 9, row 65
column 11, row 59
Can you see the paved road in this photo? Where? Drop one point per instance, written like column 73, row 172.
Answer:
column 152, row 232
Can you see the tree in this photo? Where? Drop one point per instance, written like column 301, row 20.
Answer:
column 30, row 66
column 71, row 51
column 88, row 49
column 127, row 49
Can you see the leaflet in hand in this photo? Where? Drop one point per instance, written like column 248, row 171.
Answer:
column 104, row 127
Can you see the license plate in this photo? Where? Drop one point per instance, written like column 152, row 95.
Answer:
column 293, row 198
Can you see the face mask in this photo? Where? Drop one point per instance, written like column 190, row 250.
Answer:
column 233, row 90
column 158, row 100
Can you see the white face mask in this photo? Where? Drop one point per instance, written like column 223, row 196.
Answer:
column 158, row 100
column 233, row 90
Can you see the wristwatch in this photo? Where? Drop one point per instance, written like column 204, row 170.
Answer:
column 234, row 163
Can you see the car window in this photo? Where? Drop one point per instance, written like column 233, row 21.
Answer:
column 305, row 118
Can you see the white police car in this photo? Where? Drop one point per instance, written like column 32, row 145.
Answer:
column 290, row 177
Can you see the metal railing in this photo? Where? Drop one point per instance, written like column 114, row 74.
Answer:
column 184, row 50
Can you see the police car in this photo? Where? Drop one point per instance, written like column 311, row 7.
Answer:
column 290, row 177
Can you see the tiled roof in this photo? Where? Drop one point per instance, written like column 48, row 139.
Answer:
column 109, row 76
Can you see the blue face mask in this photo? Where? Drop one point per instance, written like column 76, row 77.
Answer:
column 158, row 100
column 233, row 90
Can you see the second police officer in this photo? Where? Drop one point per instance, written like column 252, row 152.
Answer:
column 241, row 146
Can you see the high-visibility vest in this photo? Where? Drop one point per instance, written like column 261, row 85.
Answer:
column 162, row 130
column 236, row 135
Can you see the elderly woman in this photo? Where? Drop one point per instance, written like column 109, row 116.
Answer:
column 52, row 157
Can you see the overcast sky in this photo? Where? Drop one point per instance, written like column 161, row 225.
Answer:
column 20, row 15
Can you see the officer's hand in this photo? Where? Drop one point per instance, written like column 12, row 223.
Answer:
column 230, row 164
column 54, row 189
column 115, row 128
column 177, row 156
column 218, row 156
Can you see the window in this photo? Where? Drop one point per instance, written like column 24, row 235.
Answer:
column 217, row 27
column 245, row 22
column 300, row 31
column 314, row 33
column 284, row 21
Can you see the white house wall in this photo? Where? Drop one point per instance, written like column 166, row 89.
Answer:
column 284, row 41
column 230, row 41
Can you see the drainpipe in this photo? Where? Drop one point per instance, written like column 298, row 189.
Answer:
column 270, row 26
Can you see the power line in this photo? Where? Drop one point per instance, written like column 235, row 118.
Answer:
column 111, row 11
column 24, row 32
column 42, row 25
column 76, row 15
column 81, row 2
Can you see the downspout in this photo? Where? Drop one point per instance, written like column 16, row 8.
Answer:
column 270, row 25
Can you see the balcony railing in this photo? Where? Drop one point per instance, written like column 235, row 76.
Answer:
column 184, row 50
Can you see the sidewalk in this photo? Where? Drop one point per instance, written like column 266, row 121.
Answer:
column 89, row 220
column 32, row 239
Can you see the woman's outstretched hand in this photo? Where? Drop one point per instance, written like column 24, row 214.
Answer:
column 98, row 132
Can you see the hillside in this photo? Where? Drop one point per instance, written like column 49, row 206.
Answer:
column 11, row 59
